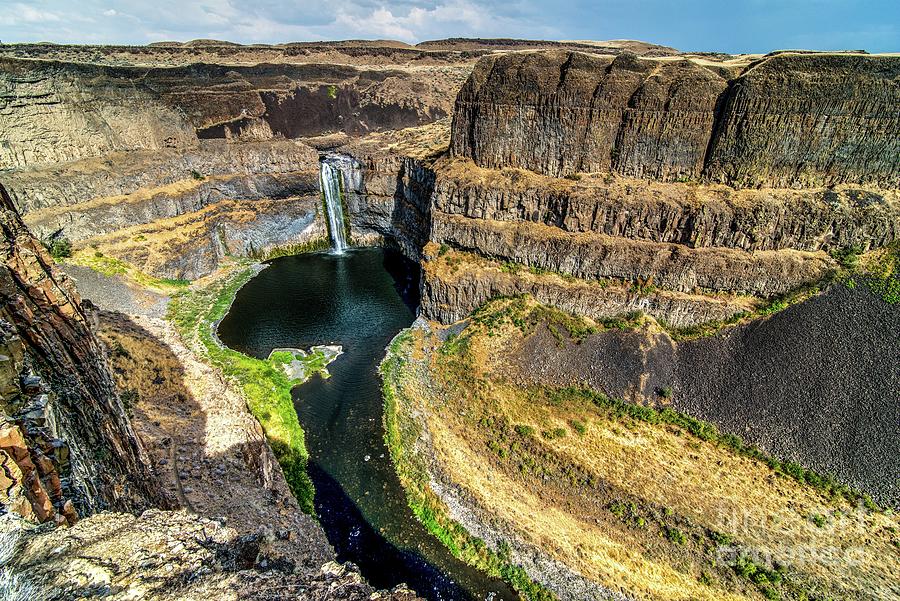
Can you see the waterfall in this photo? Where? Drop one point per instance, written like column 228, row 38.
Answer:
column 332, row 179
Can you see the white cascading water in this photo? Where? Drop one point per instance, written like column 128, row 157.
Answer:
column 332, row 177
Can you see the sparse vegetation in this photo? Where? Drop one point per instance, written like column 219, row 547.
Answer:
column 554, row 433
column 197, row 175
column 130, row 399
column 483, row 414
column 847, row 257
column 881, row 272
column 289, row 250
column 58, row 246
column 675, row 535
column 708, row 432
column 523, row 430
column 770, row 307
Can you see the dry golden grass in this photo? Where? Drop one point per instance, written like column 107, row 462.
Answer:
column 422, row 142
column 148, row 247
column 850, row 553
column 174, row 189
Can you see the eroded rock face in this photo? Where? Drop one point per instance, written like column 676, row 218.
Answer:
column 394, row 202
column 449, row 296
column 73, row 184
column 564, row 112
column 787, row 120
column 690, row 214
column 65, row 441
column 810, row 120
column 85, row 110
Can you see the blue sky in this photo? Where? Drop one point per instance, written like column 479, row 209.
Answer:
column 730, row 26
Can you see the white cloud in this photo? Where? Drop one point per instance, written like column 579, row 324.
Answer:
column 20, row 13
column 110, row 13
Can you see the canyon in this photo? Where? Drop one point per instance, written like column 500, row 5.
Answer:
column 726, row 226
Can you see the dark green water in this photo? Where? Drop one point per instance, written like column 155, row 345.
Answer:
column 360, row 300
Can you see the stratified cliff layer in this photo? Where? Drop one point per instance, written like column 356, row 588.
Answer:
column 53, row 112
column 781, row 121
column 66, row 443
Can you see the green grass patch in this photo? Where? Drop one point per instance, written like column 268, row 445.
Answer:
column 266, row 387
column 59, row 247
column 882, row 273
column 288, row 250
column 110, row 266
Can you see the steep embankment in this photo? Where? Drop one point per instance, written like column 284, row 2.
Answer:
column 814, row 383
column 84, row 110
column 701, row 193
column 98, row 143
column 135, row 421
column 600, row 498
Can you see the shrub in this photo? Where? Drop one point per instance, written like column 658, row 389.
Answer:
column 675, row 536
column 847, row 256
column 523, row 430
column 59, row 247
column 554, row 433
column 129, row 398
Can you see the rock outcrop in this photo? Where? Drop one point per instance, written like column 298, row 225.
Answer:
column 66, row 444
column 173, row 556
column 455, row 284
column 564, row 112
column 693, row 215
column 782, row 121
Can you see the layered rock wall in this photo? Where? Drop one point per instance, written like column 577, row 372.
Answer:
column 670, row 266
column 697, row 216
column 123, row 173
column 450, row 294
column 564, row 112
column 53, row 112
column 66, row 444
column 394, row 202
column 785, row 120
